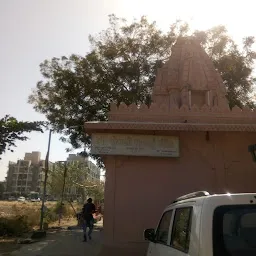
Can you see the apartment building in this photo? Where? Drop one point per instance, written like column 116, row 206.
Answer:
column 26, row 175
column 91, row 173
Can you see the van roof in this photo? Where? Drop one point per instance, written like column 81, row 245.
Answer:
column 204, row 195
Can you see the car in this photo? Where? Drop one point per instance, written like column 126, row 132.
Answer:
column 35, row 200
column 11, row 198
column 200, row 224
column 21, row 199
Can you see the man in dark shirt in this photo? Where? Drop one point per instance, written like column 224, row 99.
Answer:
column 87, row 213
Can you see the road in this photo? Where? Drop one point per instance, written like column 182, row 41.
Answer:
column 64, row 243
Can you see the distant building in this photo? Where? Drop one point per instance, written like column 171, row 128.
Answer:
column 76, row 158
column 26, row 175
column 91, row 170
column 91, row 173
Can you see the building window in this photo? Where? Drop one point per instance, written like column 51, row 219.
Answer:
column 181, row 229
column 163, row 228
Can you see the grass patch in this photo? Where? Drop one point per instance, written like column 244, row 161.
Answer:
column 21, row 218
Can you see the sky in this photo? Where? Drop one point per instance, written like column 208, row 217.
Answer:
column 34, row 30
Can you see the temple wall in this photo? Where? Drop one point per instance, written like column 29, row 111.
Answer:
column 139, row 188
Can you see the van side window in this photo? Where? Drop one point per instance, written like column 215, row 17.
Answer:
column 181, row 229
column 163, row 228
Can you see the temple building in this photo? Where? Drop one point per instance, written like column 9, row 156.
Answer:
column 187, row 140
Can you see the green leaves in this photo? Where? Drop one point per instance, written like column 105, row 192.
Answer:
column 76, row 180
column 96, row 191
column 2, row 190
column 12, row 130
column 121, row 67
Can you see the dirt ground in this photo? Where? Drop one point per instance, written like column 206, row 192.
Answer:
column 57, row 242
column 8, row 209
column 9, row 244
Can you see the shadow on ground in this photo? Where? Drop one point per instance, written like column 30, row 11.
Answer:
column 8, row 245
column 64, row 242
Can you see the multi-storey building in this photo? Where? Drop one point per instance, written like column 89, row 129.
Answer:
column 26, row 175
column 91, row 173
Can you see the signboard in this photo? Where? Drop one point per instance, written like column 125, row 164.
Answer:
column 135, row 145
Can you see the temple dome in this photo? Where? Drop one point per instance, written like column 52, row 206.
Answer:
column 189, row 77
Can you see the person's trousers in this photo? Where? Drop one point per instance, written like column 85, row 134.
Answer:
column 88, row 224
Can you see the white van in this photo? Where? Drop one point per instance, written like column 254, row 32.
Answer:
column 200, row 224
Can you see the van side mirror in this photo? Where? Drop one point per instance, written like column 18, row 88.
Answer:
column 149, row 234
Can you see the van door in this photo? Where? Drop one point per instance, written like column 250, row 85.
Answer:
column 162, row 238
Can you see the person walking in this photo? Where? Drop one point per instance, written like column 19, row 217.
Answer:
column 87, row 213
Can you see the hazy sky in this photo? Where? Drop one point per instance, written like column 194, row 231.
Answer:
column 34, row 30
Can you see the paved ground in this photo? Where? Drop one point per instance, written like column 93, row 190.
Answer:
column 63, row 243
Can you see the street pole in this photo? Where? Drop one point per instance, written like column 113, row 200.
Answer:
column 45, row 180
column 63, row 188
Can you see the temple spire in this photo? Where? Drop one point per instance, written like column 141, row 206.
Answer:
column 189, row 77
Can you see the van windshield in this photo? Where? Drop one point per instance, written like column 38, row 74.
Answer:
column 234, row 230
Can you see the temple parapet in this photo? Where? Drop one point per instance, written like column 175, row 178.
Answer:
column 194, row 114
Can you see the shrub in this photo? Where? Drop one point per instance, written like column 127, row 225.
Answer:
column 32, row 214
column 65, row 209
column 14, row 226
column 50, row 216
column 23, row 217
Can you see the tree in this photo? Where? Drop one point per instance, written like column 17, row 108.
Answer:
column 12, row 130
column 76, row 180
column 121, row 67
column 2, row 189
column 74, row 173
column 96, row 191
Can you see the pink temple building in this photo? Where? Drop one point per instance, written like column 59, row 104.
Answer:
column 187, row 140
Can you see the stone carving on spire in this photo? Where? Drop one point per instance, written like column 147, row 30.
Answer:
column 189, row 78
